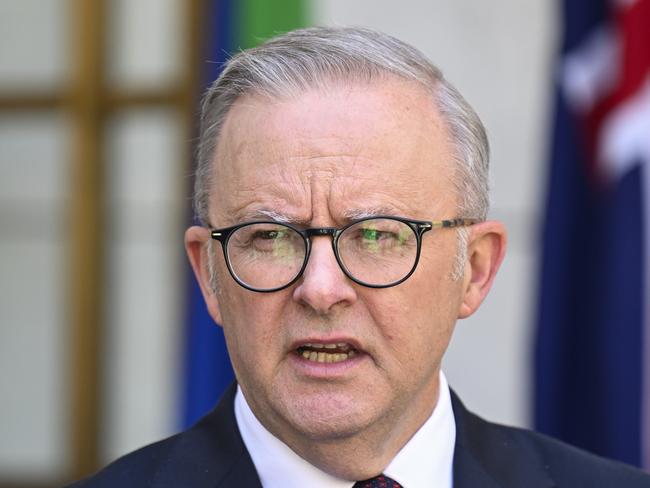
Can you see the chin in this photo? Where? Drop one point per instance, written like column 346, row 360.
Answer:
column 326, row 417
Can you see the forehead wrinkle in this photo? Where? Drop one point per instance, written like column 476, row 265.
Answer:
column 258, row 197
column 414, row 202
column 255, row 174
column 273, row 207
column 372, row 193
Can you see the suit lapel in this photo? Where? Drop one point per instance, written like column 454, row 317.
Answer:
column 211, row 454
column 468, row 471
column 242, row 474
column 488, row 456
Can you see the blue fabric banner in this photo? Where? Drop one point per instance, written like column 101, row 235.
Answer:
column 207, row 369
column 589, row 364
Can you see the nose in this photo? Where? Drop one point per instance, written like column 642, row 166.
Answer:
column 323, row 285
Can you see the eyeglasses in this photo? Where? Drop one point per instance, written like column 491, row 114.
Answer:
column 377, row 252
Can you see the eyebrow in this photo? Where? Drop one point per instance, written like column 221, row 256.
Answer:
column 349, row 215
column 356, row 214
column 262, row 213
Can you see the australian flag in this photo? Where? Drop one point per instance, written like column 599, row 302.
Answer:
column 592, row 357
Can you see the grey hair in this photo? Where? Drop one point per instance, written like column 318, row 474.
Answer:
column 290, row 64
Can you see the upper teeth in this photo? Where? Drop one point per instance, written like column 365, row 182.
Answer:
column 326, row 357
column 326, row 353
column 340, row 345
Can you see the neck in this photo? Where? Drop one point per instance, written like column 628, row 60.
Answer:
column 366, row 453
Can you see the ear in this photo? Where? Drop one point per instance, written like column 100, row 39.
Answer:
column 196, row 246
column 485, row 251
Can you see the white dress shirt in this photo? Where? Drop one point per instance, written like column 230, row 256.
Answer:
column 425, row 461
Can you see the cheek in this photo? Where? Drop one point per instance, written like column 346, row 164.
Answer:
column 418, row 318
column 252, row 325
column 433, row 280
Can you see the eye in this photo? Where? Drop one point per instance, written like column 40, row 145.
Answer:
column 372, row 239
column 376, row 234
column 276, row 241
column 262, row 237
column 270, row 234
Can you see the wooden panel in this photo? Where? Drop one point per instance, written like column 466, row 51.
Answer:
column 20, row 101
column 86, row 240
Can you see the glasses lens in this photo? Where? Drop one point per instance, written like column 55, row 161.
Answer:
column 378, row 251
column 266, row 255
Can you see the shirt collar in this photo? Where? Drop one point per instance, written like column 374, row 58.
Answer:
column 426, row 459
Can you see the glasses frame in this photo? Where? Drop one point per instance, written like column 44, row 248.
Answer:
column 419, row 227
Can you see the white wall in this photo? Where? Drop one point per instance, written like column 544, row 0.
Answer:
column 34, row 155
column 33, row 385
column 145, row 279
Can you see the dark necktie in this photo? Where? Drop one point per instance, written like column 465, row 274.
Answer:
column 380, row 481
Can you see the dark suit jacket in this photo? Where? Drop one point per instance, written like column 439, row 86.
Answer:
column 212, row 454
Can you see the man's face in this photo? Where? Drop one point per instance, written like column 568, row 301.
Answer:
column 316, row 160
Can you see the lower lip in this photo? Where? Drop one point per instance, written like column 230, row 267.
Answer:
column 326, row 370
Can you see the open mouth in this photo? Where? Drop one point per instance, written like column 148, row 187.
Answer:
column 326, row 353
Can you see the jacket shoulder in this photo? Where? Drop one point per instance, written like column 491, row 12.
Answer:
column 138, row 468
column 211, row 453
column 509, row 453
column 571, row 466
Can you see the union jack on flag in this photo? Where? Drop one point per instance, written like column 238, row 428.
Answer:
column 592, row 357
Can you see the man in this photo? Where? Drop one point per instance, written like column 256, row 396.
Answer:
column 342, row 191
